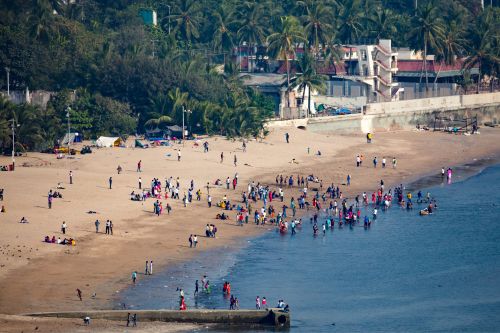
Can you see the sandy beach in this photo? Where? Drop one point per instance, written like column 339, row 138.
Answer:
column 36, row 276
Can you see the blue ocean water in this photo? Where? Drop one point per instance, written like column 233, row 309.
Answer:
column 407, row 273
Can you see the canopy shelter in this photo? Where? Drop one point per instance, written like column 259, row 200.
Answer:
column 105, row 141
column 71, row 137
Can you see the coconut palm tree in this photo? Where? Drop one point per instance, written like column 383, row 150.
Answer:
column 383, row 24
column 483, row 47
column 427, row 32
column 451, row 46
column 251, row 22
column 308, row 78
column 178, row 100
column 223, row 36
column 350, row 24
column 317, row 26
column 187, row 16
column 282, row 43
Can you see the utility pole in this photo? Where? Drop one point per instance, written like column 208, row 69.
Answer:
column 13, row 143
column 183, row 131
column 68, row 109
column 7, row 69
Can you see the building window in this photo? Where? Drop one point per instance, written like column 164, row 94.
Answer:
column 363, row 55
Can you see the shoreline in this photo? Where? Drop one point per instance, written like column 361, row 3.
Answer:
column 423, row 181
column 114, row 281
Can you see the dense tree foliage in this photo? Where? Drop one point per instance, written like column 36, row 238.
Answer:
column 129, row 76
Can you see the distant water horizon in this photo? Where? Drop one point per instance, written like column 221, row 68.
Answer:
column 410, row 273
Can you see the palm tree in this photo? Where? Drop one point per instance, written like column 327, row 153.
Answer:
column 452, row 45
column 350, row 24
column 251, row 20
column 179, row 100
column 161, row 123
column 309, row 79
column 187, row 19
column 317, row 26
column 383, row 24
column 282, row 43
column 427, row 32
column 483, row 47
column 223, row 36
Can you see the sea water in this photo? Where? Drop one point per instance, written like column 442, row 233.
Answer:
column 407, row 273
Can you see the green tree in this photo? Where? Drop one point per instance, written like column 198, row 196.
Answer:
column 187, row 17
column 350, row 25
column 223, row 36
column 427, row 33
column 283, row 42
column 251, row 22
column 483, row 47
column 317, row 24
column 308, row 78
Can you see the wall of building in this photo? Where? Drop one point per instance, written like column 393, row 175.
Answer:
column 414, row 90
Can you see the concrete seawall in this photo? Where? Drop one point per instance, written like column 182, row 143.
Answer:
column 270, row 317
column 403, row 115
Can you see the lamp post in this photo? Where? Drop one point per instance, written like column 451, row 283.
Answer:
column 68, row 109
column 13, row 142
column 183, row 131
column 7, row 69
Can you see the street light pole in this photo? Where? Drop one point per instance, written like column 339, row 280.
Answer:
column 7, row 69
column 13, row 143
column 68, row 109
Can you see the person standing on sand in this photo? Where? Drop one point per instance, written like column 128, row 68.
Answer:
column 110, row 227
column 222, row 157
column 128, row 319
column 71, row 177
column 394, row 162
column 97, row 226
column 134, row 277
column 287, row 137
column 348, row 180
column 147, row 268
column 235, row 160
column 134, row 320
column 50, row 200
column 151, row 267
column 107, row 227
column 179, row 155
column 383, row 162
column 375, row 162
column 110, row 182
column 195, row 240
column 63, row 227
column 79, row 293
column 140, row 183
column 190, row 239
column 209, row 200
column 139, row 166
